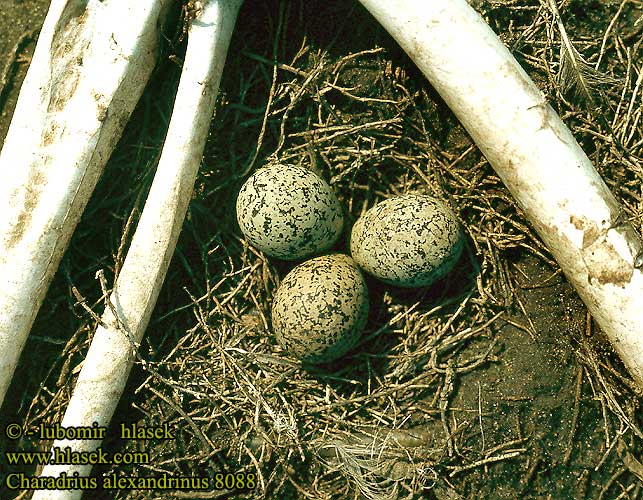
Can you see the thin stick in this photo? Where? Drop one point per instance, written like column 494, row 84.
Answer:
column 572, row 431
column 111, row 354
column 485, row 461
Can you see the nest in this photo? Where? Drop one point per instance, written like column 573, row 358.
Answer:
column 439, row 399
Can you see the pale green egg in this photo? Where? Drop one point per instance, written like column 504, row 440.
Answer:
column 409, row 240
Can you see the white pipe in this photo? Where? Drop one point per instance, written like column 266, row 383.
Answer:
column 535, row 155
column 88, row 71
column 110, row 358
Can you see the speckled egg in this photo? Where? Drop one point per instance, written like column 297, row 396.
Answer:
column 320, row 308
column 409, row 240
column 289, row 212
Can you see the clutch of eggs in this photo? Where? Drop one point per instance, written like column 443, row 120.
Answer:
column 409, row 240
column 289, row 212
column 320, row 308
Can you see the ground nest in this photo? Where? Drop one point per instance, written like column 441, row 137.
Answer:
column 493, row 383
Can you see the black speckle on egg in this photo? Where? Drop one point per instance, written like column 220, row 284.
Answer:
column 289, row 212
column 320, row 308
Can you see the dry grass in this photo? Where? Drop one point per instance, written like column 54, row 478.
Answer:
column 332, row 92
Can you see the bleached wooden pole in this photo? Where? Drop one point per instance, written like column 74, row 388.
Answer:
column 89, row 69
column 535, row 155
column 111, row 353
